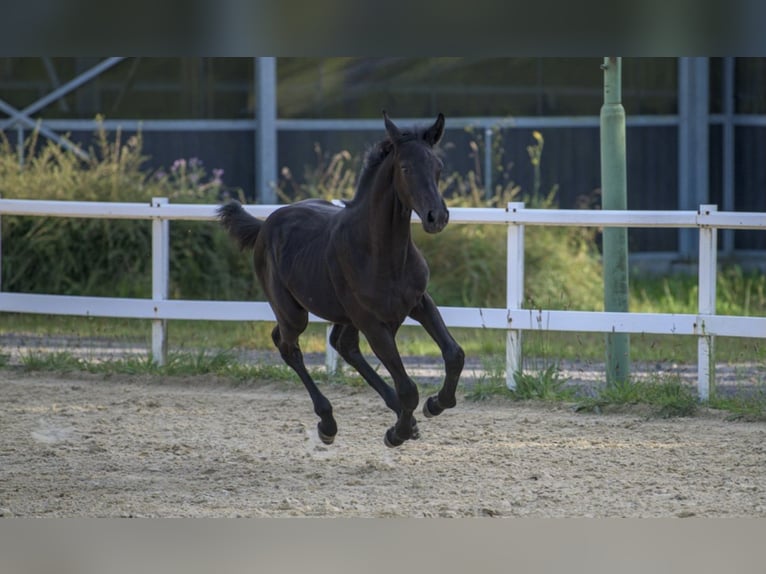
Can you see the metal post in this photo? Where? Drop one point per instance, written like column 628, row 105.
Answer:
column 727, row 235
column 160, row 274
column 693, row 143
column 488, row 164
column 614, row 195
column 60, row 92
column 20, row 144
column 21, row 119
column 266, row 130
column 708, row 251
column 54, row 78
column 514, row 294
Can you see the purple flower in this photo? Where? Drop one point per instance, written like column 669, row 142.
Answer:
column 179, row 164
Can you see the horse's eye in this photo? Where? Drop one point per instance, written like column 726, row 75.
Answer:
column 405, row 169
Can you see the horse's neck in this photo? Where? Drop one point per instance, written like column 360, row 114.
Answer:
column 386, row 219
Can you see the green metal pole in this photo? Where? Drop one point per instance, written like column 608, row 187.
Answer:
column 614, row 195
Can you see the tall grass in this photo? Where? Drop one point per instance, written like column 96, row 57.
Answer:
column 737, row 293
column 105, row 256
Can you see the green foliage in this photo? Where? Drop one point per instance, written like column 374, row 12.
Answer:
column 468, row 263
column 219, row 363
column 332, row 177
column 107, row 256
column 491, row 383
column 111, row 257
column 737, row 293
column 61, row 362
column 672, row 398
column 545, row 385
column 665, row 397
column 749, row 405
column 487, row 388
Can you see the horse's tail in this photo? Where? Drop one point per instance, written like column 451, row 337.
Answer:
column 239, row 223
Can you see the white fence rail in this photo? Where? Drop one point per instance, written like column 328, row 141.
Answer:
column 705, row 324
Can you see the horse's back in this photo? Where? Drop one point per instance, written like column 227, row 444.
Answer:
column 299, row 222
column 293, row 256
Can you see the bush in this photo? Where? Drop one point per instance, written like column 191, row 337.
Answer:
column 468, row 263
column 112, row 257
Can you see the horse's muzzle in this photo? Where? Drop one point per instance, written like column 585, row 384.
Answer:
column 435, row 220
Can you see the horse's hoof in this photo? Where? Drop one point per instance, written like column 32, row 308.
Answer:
column 430, row 409
column 325, row 438
column 390, row 440
column 415, row 431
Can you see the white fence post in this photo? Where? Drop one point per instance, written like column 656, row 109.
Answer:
column 708, row 261
column 160, row 273
column 514, row 294
column 331, row 355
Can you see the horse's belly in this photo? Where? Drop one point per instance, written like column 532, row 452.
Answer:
column 396, row 305
column 326, row 308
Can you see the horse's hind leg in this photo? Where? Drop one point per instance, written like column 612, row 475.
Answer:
column 286, row 340
column 427, row 314
column 345, row 339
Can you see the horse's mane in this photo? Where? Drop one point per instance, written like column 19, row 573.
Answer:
column 374, row 158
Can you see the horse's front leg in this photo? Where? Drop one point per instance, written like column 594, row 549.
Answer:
column 383, row 344
column 427, row 314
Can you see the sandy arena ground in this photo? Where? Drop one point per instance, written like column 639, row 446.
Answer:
column 83, row 445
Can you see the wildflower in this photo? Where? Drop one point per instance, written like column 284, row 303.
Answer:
column 178, row 165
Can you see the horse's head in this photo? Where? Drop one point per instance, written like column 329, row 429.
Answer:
column 416, row 172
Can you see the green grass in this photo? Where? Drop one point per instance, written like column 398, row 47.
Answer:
column 738, row 293
column 412, row 340
column 491, row 383
column 664, row 396
column 742, row 406
column 179, row 364
column 544, row 385
column 62, row 362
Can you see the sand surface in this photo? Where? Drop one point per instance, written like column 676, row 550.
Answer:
column 90, row 446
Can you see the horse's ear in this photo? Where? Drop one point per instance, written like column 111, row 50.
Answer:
column 391, row 129
column 433, row 134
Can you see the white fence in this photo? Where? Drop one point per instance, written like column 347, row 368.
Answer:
column 705, row 324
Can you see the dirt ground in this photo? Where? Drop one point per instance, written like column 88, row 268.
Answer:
column 84, row 445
